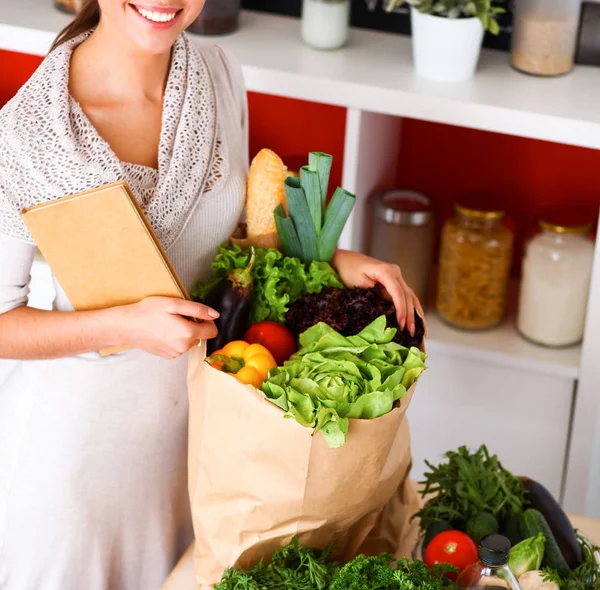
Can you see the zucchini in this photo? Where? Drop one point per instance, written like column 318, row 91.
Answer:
column 541, row 499
column 533, row 523
column 481, row 525
column 434, row 529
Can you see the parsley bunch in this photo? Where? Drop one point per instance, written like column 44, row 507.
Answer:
column 298, row 568
column 292, row 567
column 384, row 572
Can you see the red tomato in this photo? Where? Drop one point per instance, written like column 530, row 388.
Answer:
column 453, row 547
column 276, row 338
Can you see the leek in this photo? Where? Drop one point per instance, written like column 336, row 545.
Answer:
column 311, row 230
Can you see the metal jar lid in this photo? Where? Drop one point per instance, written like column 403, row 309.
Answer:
column 402, row 207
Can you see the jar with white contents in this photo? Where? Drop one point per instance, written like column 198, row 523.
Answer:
column 325, row 23
column 557, row 269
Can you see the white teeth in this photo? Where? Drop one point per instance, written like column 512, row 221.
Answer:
column 157, row 17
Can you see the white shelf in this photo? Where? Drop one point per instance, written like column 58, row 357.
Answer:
column 374, row 73
column 501, row 347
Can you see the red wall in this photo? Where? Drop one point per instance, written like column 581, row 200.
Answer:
column 293, row 128
column 15, row 70
column 524, row 176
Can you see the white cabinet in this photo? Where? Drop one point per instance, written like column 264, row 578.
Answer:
column 522, row 416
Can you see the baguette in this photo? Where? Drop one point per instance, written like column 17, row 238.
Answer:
column 265, row 190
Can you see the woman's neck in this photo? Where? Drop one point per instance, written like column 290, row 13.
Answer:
column 108, row 68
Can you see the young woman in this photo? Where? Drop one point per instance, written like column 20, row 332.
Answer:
column 93, row 450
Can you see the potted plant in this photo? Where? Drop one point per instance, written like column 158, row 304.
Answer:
column 447, row 35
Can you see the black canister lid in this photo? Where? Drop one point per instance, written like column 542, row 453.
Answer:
column 494, row 550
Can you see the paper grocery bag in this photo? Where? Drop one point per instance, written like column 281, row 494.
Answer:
column 256, row 480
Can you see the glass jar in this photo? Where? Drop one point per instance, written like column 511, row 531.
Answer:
column 402, row 232
column 218, row 17
column 492, row 571
column 325, row 23
column 544, row 37
column 555, row 283
column 69, row 6
column 475, row 259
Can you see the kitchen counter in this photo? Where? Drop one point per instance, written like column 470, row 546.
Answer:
column 182, row 577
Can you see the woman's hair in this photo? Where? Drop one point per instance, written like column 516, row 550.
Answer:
column 87, row 18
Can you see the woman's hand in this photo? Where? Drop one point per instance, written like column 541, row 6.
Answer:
column 159, row 325
column 358, row 270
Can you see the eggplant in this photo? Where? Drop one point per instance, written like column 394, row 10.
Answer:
column 541, row 499
column 232, row 298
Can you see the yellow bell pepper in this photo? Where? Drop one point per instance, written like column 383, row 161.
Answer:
column 248, row 363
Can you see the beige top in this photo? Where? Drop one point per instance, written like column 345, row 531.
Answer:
column 93, row 486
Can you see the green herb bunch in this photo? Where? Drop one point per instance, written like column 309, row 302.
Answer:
column 293, row 566
column 298, row 568
column 586, row 576
column 485, row 10
column 467, row 484
column 384, row 572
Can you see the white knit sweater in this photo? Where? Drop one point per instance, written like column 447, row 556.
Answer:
column 93, row 450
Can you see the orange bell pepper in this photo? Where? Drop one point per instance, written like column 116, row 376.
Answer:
column 248, row 363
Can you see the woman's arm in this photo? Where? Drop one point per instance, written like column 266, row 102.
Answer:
column 157, row 325
column 35, row 334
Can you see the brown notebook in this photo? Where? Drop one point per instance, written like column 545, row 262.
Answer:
column 102, row 249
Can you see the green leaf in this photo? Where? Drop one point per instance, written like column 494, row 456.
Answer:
column 288, row 237
column 321, row 163
column 336, row 216
column 300, row 215
column 527, row 555
column 312, row 189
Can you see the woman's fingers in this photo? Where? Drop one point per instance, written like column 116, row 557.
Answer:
column 191, row 309
column 205, row 331
column 405, row 301
column 420, row 311
column 390, row 279
column 410, row 309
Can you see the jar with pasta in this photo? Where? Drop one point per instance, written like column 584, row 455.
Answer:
column 475, row 259
column 544, row 36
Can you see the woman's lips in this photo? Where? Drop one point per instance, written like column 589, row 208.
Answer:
column 155, row 16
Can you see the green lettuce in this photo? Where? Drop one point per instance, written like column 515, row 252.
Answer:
column 333, row 379
column 527, row 555
column 278, row 280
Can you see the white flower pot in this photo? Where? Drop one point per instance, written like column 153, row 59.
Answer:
column 444, row 49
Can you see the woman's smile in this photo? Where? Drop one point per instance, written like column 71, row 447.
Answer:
column 158, row 17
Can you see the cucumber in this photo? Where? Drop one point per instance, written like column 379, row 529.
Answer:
column 434, row 529
column 532, row 523
column 541, row 499
column 480, row 525
column 511, row 529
